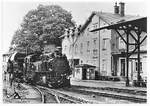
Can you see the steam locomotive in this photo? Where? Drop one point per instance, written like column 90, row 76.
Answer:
column 50, row 70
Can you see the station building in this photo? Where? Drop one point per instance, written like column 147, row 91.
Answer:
column 102, row 49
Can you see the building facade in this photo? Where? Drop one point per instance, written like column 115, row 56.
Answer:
column 104, row 48
column 91, row 48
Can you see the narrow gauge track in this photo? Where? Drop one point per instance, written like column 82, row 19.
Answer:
column 54, row 96
column 107, row 93
column 118, row 90
column 57, row 96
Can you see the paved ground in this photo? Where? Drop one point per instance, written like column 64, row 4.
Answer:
column 98, row 83
column 27, row 94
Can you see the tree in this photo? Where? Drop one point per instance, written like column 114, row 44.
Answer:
column 44, row 24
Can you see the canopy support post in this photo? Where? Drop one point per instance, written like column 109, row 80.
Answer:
column 127, row 59
column 139, row 64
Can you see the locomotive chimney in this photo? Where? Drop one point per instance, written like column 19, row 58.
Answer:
column 122, row 9
column 116, row 9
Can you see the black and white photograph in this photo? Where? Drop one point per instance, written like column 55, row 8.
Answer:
column 74, row 52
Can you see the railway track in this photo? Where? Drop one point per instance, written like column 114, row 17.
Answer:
column 117, row 90
column 140, row 98
column 54, row 96
column 84, row 95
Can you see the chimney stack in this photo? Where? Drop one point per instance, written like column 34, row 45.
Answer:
column 122, row 9
column 116, row 9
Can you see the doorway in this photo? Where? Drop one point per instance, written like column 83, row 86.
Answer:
column 84, row 74
column 123, row 65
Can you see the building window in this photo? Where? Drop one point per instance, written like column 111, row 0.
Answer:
column 136, row 66
column 104, row 43
column 88, row 44
column 104, row 67
column 95, row 52
column 95, row 41
column 76, row 49
column 123, row 67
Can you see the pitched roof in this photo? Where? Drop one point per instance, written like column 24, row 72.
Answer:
column 109, row 18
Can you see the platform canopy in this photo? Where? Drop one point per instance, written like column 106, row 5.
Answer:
column 139, row 23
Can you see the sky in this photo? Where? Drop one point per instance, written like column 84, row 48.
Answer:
column 13, row 11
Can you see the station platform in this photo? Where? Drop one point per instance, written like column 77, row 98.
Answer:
column 110, row 84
